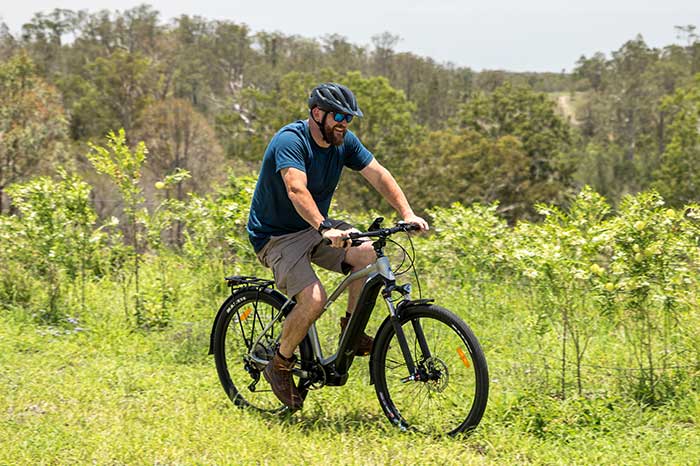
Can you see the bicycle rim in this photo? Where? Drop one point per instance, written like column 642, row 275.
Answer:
column 447, row 398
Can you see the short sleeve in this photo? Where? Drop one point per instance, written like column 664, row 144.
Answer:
column 357, row 156
column 289, row 151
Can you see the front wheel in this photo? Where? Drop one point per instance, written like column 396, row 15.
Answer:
column 448, row 391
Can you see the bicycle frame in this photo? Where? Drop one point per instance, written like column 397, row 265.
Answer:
column 336, row 366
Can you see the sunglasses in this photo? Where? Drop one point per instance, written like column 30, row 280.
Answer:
column 338, row 117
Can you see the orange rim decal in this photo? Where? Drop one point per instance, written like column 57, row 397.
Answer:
column 463, row 357
column 246, row 313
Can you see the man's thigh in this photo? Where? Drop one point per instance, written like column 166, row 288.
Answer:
column 289, row 258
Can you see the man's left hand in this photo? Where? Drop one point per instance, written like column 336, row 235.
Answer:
column 417, row 221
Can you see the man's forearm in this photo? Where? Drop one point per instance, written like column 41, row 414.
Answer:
column 306, row 206
column 390, row 190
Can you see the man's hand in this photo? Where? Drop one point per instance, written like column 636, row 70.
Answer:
column 416, row 220
column 338, row 238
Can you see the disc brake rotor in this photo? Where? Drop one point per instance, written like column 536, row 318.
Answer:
column 437, row 374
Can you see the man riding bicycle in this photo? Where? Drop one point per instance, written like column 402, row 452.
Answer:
column 289, row 221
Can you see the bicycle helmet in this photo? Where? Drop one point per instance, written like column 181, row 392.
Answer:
column 333, row 97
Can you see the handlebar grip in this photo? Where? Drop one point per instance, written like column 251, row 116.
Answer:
column 354, row 243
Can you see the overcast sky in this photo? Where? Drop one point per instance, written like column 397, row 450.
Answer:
column 516, row 35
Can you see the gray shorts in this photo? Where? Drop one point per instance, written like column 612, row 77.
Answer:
column 290, row 257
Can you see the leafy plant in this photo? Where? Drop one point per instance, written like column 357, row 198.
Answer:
column 54, row 236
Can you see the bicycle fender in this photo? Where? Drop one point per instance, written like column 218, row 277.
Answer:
column 387, row 322
column 413, row 302
column 234, row 298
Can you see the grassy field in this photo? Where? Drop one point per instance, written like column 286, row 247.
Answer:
column 93, row 391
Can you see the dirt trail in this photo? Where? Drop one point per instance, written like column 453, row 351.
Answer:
column 567, row 107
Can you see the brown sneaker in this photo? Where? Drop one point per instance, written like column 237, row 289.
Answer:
column 278, row 373
column 364, row 345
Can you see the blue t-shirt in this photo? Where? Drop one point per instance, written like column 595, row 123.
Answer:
column 272, row 212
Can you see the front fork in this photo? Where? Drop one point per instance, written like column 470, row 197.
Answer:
column 413, row 374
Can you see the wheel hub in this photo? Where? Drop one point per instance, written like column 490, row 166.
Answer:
column 436, row 374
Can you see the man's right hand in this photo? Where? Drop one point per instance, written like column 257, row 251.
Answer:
column 338, row 238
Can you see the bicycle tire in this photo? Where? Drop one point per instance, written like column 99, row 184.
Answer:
column 250, row 310
column 459, row 384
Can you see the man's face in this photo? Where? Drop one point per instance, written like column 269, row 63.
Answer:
column 335, row 131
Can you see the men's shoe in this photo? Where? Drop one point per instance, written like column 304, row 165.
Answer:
column 365, row 342
column 278, row 373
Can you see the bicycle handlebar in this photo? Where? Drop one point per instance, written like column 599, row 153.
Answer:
column 385, row 232
column 381, row 233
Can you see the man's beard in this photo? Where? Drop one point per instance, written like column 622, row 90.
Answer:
column 335, row 138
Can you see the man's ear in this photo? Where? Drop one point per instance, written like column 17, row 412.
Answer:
column 317, row 113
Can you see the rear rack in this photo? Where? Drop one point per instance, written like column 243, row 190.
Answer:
column 243, row 280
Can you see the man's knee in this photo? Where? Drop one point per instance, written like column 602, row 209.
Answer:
column 313, row 297
column 361, row 256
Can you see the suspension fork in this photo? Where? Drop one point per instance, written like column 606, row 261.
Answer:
column 403, row 343
column 400, row 337
column 418, row 329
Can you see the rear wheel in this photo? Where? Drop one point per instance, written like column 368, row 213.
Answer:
column 248, row 332
column 449, row 390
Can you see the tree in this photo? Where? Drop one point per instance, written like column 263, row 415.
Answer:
column 55, row 238
column 435, row 90
column 592, row 70
column 137, row 29
column 678, row 177
column 382, row 56
column 341, row 55
column 8, row 44
column 179, row 138
column 232, row 55
column 490, row 80
column 113, row 93
column 192, row 59
column 255, row 116
column 637, row 118
column 32, row 122
column 624, row 114
column 530, row 117
column 45, row 35
column 468, row 167
column 388, row 127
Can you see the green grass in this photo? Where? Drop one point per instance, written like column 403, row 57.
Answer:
column 108, row 395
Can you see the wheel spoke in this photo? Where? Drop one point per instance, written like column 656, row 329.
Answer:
column 395, row 364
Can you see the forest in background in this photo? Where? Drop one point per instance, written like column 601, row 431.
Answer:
column 206, row 95
column 129, row 147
